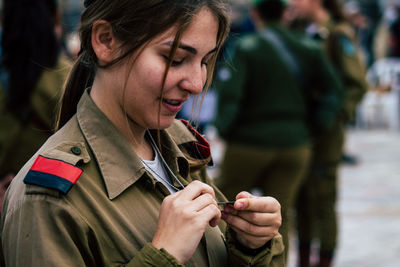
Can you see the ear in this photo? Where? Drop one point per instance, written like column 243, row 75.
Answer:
column 104, row 43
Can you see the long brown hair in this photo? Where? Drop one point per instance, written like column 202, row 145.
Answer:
column 135, row 23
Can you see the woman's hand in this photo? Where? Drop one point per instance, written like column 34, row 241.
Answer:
column 183, row 220
column 255, row 220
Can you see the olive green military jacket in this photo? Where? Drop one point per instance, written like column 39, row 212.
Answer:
column 109, row 216
column 263, row 103
column 19, row 140
column 339, row 41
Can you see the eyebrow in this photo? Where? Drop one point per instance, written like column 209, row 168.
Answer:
column 190, row 49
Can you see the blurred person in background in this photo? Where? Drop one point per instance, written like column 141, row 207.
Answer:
column 365, row 16
column 394, row 33
column 263, row 108
column 372, row 11
column 317, row 199
column 241, row 21
column 36, row 71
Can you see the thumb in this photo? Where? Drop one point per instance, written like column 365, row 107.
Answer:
column 242, row 200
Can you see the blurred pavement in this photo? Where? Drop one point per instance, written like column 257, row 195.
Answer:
column 369, row 202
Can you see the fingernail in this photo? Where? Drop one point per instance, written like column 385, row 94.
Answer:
column 240, row 204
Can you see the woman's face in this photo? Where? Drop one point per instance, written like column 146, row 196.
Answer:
column 187, row 75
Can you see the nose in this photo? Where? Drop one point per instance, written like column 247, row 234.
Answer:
column 194, row 80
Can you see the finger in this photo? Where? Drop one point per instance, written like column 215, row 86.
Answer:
column 215, row 221
column 271, row 234
column 229, row 209
column 257, row 218
column 243, row 203
column 195, row 189
column 244, row 194
column 204, row 200
column 246, row 227
column 258, row 204
column 210, row 214
column 260, row 219
column 250, row 241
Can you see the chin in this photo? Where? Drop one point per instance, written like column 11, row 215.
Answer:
column 165, row 122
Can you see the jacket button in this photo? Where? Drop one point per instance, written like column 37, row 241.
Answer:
column 76, row 150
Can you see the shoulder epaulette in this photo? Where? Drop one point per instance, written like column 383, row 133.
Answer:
column 53, row 173
column 347, row 45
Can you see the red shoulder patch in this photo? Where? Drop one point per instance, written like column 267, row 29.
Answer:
column 52, row 173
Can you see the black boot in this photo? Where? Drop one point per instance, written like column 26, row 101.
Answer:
column 304, row 254
column 325, row 258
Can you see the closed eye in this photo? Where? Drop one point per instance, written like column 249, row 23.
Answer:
column 174, row 63
column 191, row 50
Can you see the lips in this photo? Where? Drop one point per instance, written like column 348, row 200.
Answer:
column 172, row 102
column 174, row 106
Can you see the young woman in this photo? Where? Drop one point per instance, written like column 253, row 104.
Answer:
column 121, row 182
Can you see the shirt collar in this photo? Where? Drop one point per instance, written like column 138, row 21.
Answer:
column 119, row 165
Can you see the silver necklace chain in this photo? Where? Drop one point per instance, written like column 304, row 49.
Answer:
column 159, row 176
column 163, row 164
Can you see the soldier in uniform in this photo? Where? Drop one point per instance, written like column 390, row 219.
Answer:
column 122, row 183
column 329, row 27
column 264, row 110
column 35, row 72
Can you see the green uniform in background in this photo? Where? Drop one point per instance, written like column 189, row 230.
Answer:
column 317, row 199
column 264, row 116
column 19, row 139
